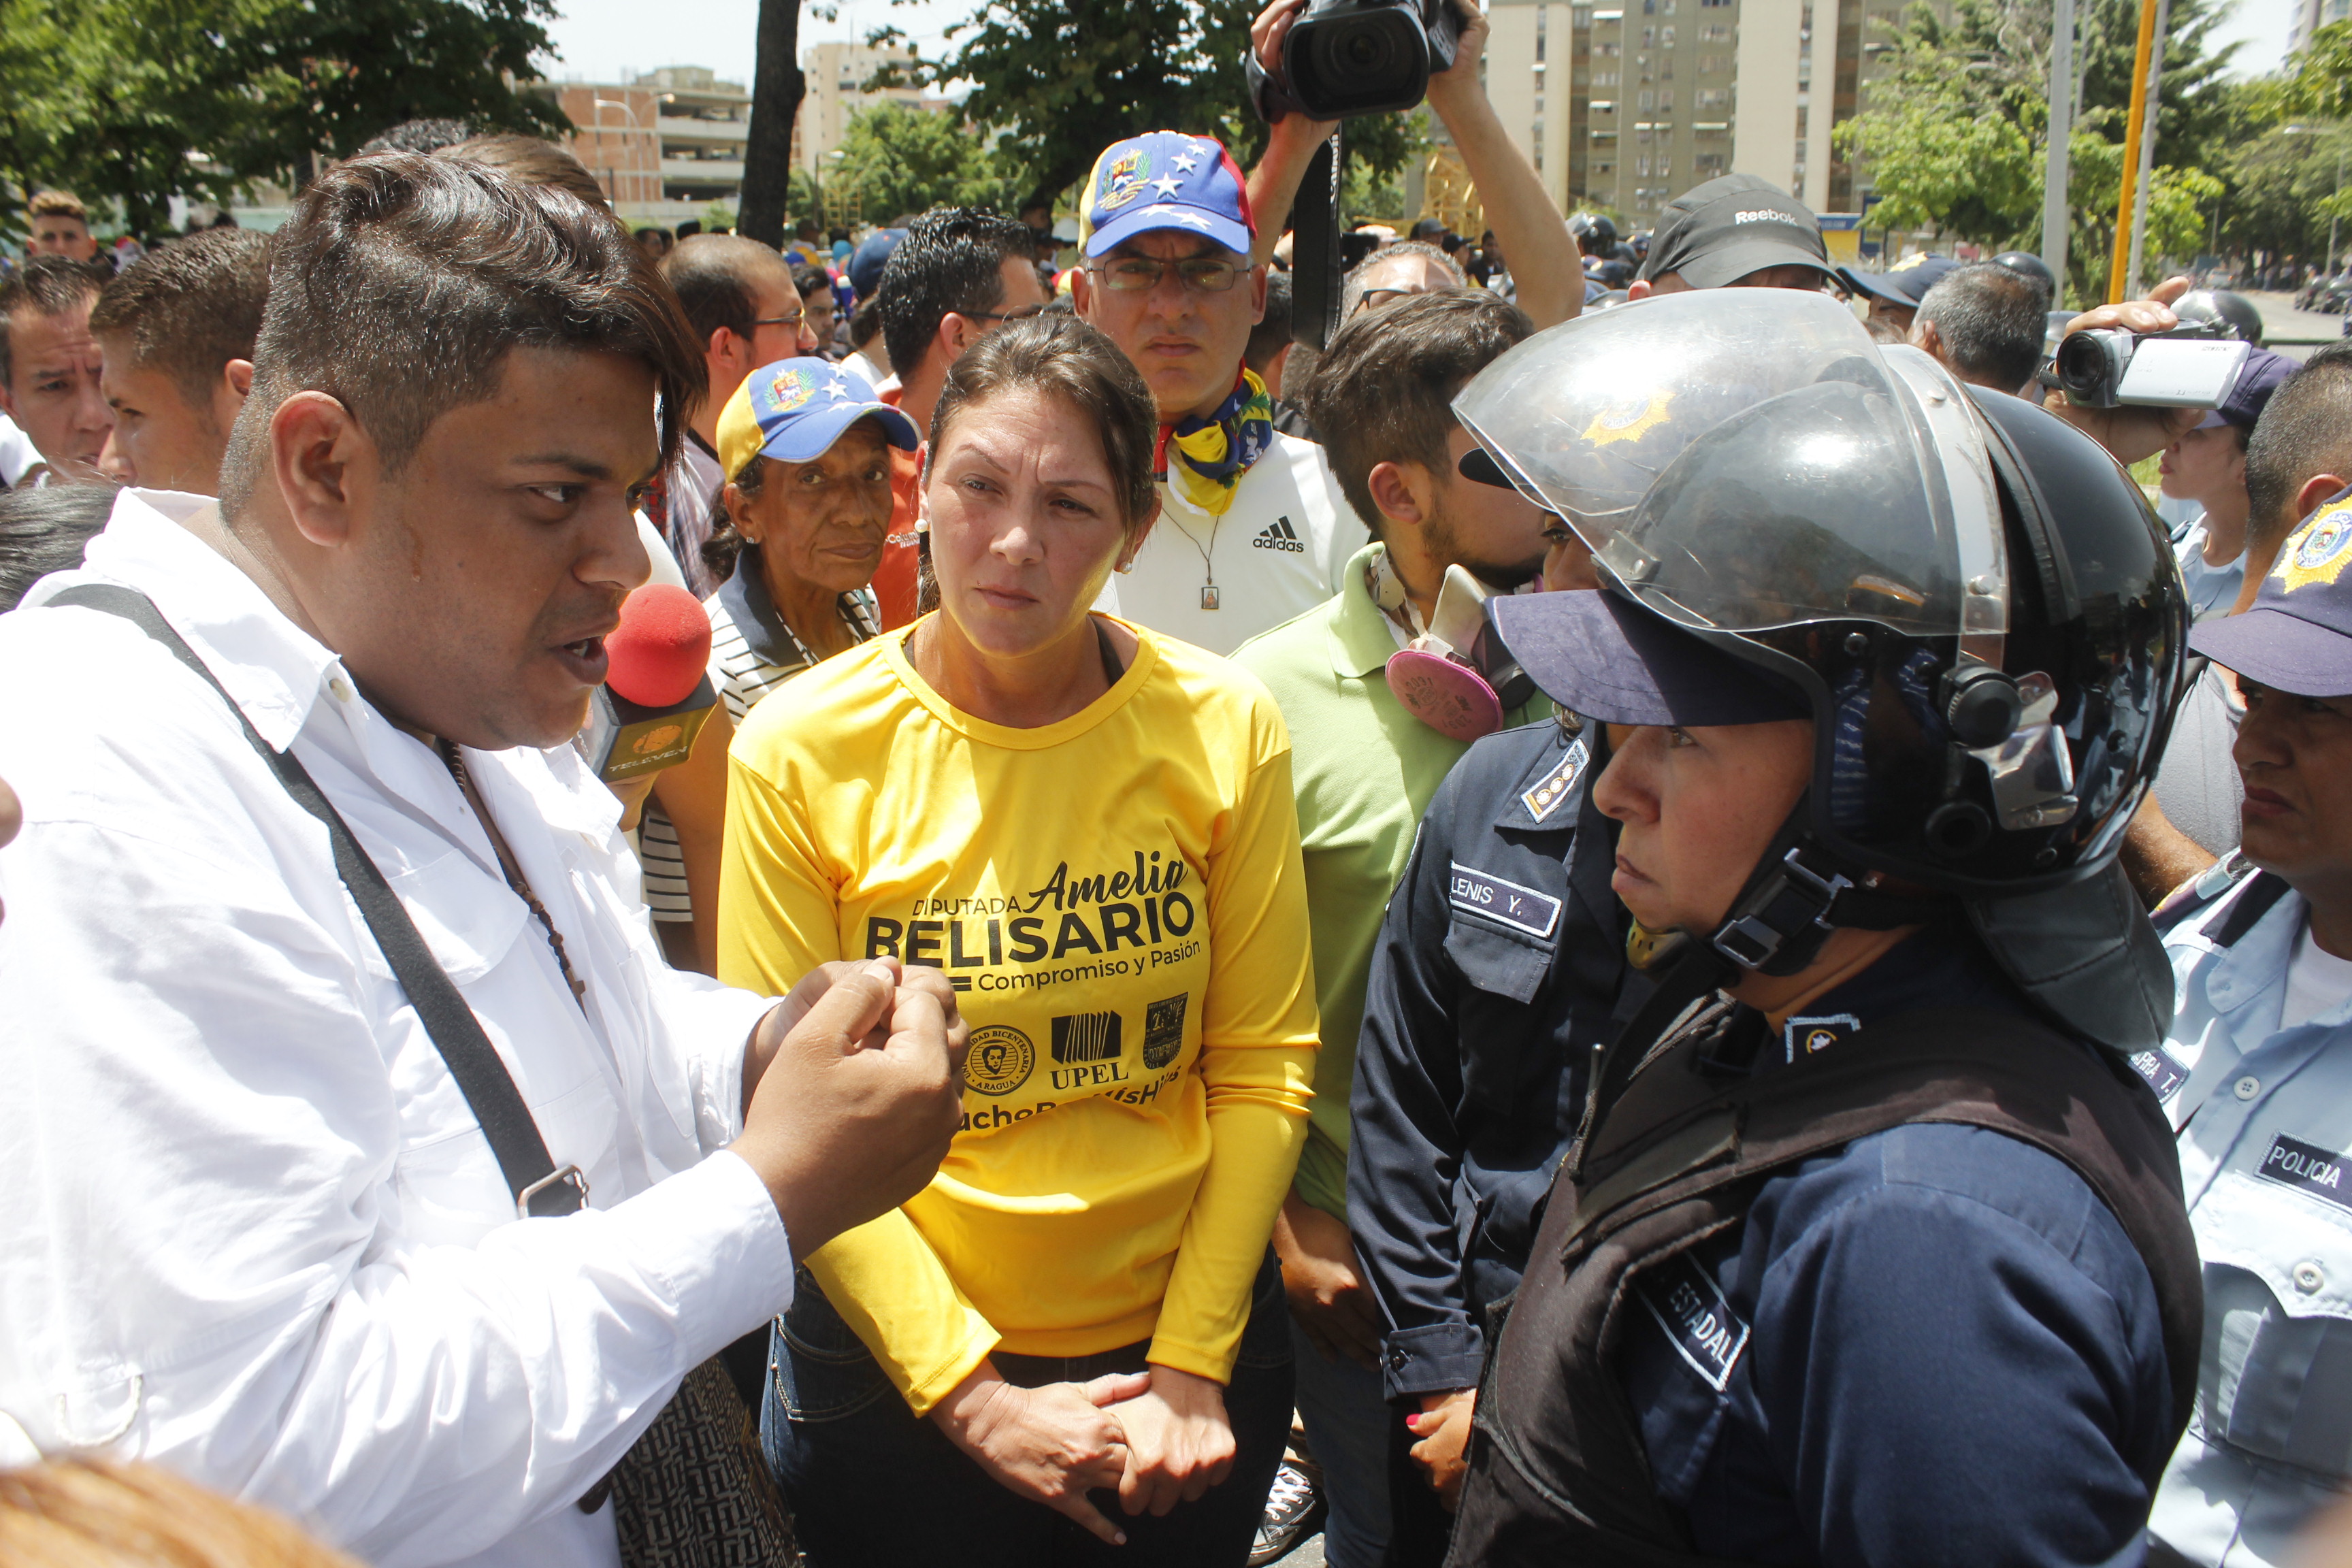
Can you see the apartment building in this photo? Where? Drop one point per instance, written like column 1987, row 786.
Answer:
column 664, row 145
column 2309, row 17
column 837, row 77
column 1627, row 104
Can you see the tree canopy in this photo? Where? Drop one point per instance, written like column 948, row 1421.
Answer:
column 1957, row 133
column 897, row 159
column 141, row 101
column 1065, row 78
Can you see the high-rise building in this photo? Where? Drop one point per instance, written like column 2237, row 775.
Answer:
column 2310, row 15
column 1627, row 104
column 839, row 78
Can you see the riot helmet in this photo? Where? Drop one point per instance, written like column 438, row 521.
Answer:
column 2032, row 266
column 2222, row 312
column 1970, row 599
column 1595, row 233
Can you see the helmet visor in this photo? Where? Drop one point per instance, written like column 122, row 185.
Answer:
column 1744, row 460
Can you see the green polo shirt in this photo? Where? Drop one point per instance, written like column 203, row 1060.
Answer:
column 1365, row 770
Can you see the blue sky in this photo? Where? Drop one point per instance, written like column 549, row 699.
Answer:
column 602, row 39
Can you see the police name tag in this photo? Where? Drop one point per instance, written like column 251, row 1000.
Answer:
column 1503, row 901
column 1702, row 1327
column 2163, row 1074
column 2307, row 1168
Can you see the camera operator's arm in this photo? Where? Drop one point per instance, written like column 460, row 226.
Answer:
column 2127, row 434
column 1547, row 268
column 1290, row 142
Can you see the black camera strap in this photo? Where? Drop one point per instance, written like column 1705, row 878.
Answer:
column 540, row 1189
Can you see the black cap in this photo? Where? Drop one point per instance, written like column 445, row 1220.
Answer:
column 1903, row 285
column 1595, row 654
column 1720, row 232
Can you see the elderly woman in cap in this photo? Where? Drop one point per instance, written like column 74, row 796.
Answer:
column 797, row 536
column 806, row 448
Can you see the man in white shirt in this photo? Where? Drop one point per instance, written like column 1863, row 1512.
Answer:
column 256, row 1232
column 1252, row 529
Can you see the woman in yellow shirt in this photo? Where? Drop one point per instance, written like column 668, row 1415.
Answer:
column 1091, row 828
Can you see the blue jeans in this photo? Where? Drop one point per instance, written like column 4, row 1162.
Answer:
column 871, row 1485
column 1348, row 1427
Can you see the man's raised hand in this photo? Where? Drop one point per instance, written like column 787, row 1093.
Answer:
column 855, row 1105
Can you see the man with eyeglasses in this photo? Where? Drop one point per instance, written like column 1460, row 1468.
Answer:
column 1250, row 527
column 746, row 311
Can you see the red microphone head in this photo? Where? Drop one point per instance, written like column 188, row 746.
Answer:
column 661, row 647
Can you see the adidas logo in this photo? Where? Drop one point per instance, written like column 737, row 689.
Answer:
column 1279, row 535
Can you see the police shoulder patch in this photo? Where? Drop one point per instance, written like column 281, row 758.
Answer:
column 1699, row 1324
column 1543, row 797
column 1803, row 1036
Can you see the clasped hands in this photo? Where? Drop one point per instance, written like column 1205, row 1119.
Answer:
column 1159, row 1437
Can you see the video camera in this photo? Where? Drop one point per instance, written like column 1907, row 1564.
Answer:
column 1347, row 57
column 2191, row 367
column 1343, row 59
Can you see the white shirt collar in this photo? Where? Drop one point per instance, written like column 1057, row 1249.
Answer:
column 273, row 670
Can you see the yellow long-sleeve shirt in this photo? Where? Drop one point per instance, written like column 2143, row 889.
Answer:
column 1119, row 902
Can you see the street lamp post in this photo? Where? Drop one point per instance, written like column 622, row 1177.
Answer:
column 611, row 175
column 2333, row 222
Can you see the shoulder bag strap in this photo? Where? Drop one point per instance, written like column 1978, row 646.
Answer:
column 540, row 1189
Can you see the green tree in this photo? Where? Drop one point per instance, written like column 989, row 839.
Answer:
column 1065, row 78
column 897, row 159
column 1956, row 135
column 141, row 101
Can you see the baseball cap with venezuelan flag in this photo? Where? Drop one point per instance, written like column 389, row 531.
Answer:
column 1165, row 180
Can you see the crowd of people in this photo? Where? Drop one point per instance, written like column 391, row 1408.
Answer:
column 677, row 902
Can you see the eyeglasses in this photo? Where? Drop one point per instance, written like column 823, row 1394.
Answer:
column 792, row 320
column 1022, row 313
column 1202, row 274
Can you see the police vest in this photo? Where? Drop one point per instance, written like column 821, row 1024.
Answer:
column 1558, row 1469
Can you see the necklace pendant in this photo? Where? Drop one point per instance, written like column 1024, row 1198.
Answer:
column 1209, row 597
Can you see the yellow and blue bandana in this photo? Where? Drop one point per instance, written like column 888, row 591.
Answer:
column 1204, row 458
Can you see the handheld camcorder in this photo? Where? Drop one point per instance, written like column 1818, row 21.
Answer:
column 1346, row 58
column 2188, row 367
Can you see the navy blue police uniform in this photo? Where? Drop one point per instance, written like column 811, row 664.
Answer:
column 1775, row 1371
column 1500, row 972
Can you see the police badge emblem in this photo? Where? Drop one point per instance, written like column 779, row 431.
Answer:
column 2317, row 555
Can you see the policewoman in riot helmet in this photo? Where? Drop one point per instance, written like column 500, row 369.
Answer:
column 1870, row 1246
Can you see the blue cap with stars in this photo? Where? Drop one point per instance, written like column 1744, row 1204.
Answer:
column 795, row 409
column 1165, row 180
column 2297, row 636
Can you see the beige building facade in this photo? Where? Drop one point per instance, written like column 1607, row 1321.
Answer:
column 1627, row 104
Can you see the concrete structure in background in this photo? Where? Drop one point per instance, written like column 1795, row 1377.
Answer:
column 665, row 144
column 1627, row 104
column 837, row 77
column 2309, row 17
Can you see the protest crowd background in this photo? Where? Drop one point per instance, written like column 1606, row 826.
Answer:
column 1147, row 862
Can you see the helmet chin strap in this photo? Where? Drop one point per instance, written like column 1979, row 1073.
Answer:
column 1796, row 897
column 1797, row 894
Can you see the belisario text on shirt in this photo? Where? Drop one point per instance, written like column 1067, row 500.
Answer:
column 1075, row 983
